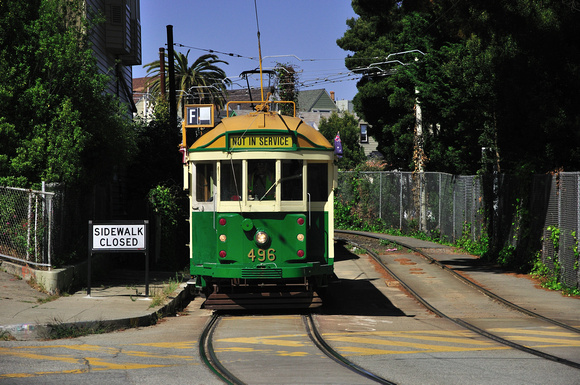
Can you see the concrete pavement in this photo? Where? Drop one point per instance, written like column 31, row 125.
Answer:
column 519, row 289
column 117, row 302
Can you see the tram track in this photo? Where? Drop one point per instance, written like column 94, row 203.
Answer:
column 319, row 341
column 458, row 321
column 209, row 357
column 476, row 286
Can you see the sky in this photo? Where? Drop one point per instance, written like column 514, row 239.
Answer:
column 302, row 33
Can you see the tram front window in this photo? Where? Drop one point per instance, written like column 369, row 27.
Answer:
column 231, row 180
column 291, row 180
column 261, row 179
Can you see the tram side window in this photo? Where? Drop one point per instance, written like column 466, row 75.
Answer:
column 291, row 180
column 204, row 181
column 318, row 181
column 261, row 178
column 231, row 180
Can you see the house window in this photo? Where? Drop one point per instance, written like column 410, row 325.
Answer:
column 364, row 138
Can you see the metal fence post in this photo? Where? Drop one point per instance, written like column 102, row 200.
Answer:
column 381, row 194
column 49, row 227
column 28, row 226
column 400, row 200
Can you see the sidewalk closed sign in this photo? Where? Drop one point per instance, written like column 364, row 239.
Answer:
column 119, row 236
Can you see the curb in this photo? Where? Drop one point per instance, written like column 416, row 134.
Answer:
column 32, row 332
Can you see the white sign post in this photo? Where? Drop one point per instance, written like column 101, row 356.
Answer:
column 118, row 237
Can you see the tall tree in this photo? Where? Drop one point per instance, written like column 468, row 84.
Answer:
column 57, row 124
column 347, row 126
column 497, row 82
column 201, row 82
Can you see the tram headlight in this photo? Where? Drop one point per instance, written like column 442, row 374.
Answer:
column 223, row 237
column 261, row 238
column 300, row 237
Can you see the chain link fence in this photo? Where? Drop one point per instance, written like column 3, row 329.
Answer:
column 26, row 219
column 563, row 219
column 446, row 205
column 513, row 213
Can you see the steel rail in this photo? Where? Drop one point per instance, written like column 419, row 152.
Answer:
column 459, row 321
column 468, row 281
column 208, row 356
column 321, row 344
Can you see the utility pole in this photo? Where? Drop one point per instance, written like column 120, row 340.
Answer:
column 162, row 70
column 171, row 69
column 419, row 160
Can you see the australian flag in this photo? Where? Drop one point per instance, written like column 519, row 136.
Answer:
column 338, row 145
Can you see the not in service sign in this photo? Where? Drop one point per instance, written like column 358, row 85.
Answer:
column 119, row 236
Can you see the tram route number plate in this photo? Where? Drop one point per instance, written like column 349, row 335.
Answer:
column 260, row 141
column 262, row 255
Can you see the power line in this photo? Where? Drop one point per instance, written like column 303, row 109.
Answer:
column 273, row 56
column 217, row 52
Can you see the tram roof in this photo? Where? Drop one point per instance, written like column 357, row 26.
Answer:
column 232, row 134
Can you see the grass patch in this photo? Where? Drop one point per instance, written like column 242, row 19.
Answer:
column 388, row 244
column 59, row 330
column 5, row 336
column 160, row 296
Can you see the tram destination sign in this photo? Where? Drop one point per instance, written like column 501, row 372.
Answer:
column 199, row 115
column 118, row 236
column 260, row 141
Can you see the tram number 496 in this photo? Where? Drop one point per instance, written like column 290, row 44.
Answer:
column 262, row 255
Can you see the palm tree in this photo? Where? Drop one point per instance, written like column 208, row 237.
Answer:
column 202, row 82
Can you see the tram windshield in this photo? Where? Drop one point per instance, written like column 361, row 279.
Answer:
column 261, row 179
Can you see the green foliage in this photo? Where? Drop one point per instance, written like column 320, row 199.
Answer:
column 356, row 214
column 163, row 201
column 575, row 250
column 554, row 236
column 160, row 296
column 550, row 273
column 549, row 276
column 169, row 206
column 472, row 246
column 57, row 124
column 347, row 126
column 473, row 83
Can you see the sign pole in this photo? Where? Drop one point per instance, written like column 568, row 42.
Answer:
column 89, row 260
column 119, row 237
column 146, row 258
